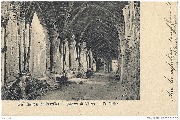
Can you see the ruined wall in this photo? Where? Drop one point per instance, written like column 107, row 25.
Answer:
column 131, row 43
column 10, row 41
column 4, row 17
column 38, row 48
column 30, row 47
column 18, row 51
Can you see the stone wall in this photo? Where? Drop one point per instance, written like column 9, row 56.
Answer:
column 31, row 47
column 38, row 48
column 24, row 43
column 10, row 43
column 130, row 44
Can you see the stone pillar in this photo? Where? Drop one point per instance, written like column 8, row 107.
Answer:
column 94, row 65
column 122, row 58
column 31, row 60
column 104, row 66
column 88, row 59
column 3, row 43
column 3, row 50
column 48, row 64
column 108, row 66
column 72, row 55
column 29, row 46
column 57, row 57
column 4, row 19
column 130, row 45
column 78, row 51
column 61, row 48
column 85, row 67
column 83, row 54
column 66, row 54
column 12, row 47
column 26, row 46
column 91, row 58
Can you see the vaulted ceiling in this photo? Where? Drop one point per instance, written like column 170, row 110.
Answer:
column 92, row 22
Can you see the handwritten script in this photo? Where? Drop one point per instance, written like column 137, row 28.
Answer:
column 172, row 61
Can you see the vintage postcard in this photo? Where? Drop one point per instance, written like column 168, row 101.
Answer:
column 79, row 58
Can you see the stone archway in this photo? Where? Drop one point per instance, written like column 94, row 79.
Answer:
column 89, row 21
column 38, row 48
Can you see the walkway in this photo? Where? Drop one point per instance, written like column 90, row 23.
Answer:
column 101, row 87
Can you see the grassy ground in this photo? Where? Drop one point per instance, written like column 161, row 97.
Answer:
column 101, row 87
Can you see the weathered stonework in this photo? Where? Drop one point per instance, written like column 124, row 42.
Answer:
column 12, row 58
column 130, row 50
column 38, row 49
column 73, row 54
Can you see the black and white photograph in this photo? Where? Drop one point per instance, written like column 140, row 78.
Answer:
column 70, row 50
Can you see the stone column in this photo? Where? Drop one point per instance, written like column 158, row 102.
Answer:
column 3, row 50
column 121, row 48
column 91, row 58
column 12, row 47
column 104, row 66
column 29, row 47
column 32, row 57
column 66, row 54
column 88, row 59
column 83, row 54
column 122, row 57
column 23, row 40
column 72, row 51
column 94, row 65
column 61, row 48
column 108, row 66
column 57, row 57
column 48, row 64
column 130, row 45
column 26, row 46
